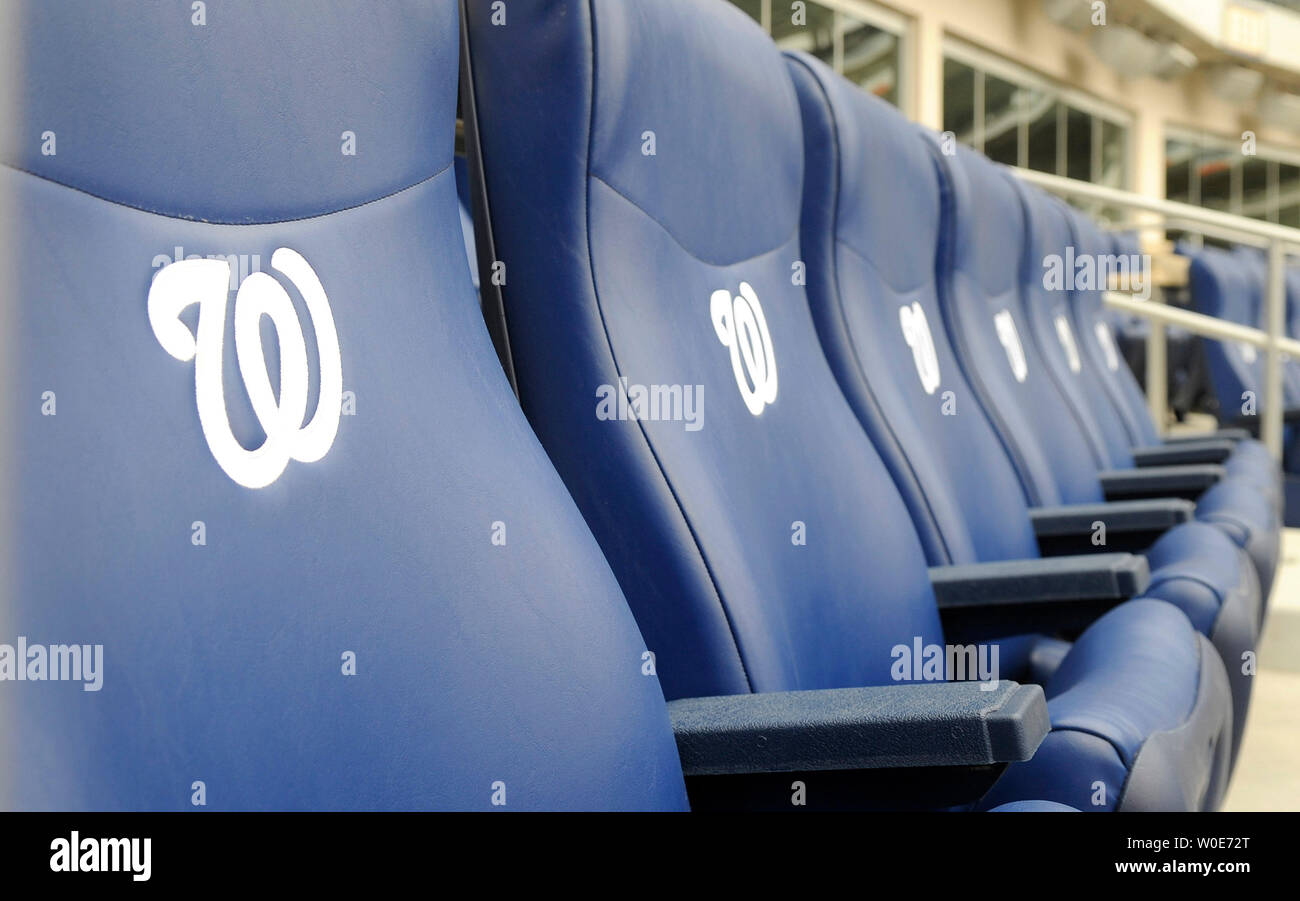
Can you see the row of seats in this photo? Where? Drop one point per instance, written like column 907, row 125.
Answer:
column 432, row 592
column 1232, row 285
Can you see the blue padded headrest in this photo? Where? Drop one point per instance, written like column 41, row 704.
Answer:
column 409, row 612
column 985, row 195
column 888, row 212
column 1221, row 285
column 1047, row 232
column 243, row 118
column 1088, row 238
column 646, row 52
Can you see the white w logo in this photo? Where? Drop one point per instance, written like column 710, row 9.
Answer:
column 916, row 332
column 206, row 282
column 741, row 326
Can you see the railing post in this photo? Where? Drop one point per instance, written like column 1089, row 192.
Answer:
column 1157, row 368
column 1275, row 312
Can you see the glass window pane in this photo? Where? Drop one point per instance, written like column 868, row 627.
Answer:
column 1215, row 169
column 1289, row 216
column 752, row 8
column 816, row 34
column 871, row 58
column 959, row 100
column 1001, row 120
column 1078, row 145
column 1040, row 113
column 1288, row 189
column 1114, row 159
column 1254, row 187
column 1179, row 158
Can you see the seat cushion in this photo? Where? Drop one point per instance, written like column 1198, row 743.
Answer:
column 1251, row 461
column 1243, row 512
column 1137, row 675
column 1201, row 571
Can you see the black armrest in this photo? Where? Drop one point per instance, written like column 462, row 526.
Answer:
column 1160, row 481
column 1210, row 450
column 1156, row 514
column 1223, row 434
column 935, row 724
column 1016, row 582
column 985, row 601
column 1125, row 525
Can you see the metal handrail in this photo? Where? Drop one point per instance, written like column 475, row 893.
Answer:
column 1072, row 187
column 1279, row 239
column 1211, row 326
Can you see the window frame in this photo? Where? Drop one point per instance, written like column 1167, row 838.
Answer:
column 1065, row 98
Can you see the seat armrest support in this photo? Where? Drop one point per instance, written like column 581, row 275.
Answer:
column 1045, row 580
column 933, row 724
column 1188, row 482
column 1146, row 515
column 1207, row 451
column 1116, row 526
column 1223, row 434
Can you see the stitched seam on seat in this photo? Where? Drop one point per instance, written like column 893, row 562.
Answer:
column 876, row 268
column 791, row 235
column 144, row 209
column 1119, row 752
column 1154, row 586
column 609, row 343
column 1228, row 517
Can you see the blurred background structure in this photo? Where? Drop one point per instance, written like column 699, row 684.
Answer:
column 1190, row 100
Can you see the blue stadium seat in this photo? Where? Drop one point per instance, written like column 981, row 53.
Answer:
column 426, row 540
column 1221, row 287
column 1241, row 506
column 873, row 243
column 1255, row 262
column 983, row 310
column 1293, row 301
column 762, row 545
column 1247, row 458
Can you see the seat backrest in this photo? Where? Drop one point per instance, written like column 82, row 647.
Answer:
column 1053, row 267
column 1095, row 329
column 368, row 589
column 1255, row 262
column 870, row 234
column 1293, row 301
column 665, row 352
column 1221, row 288
column 983, row 253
